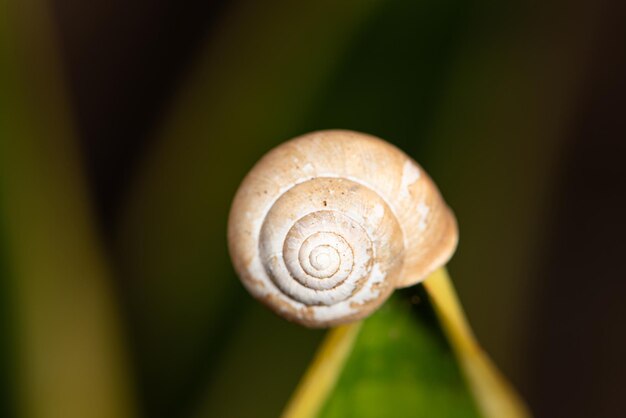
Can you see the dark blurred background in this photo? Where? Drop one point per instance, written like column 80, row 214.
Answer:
column 517, row 110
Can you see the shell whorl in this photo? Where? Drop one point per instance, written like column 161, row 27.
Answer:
column 327, row 225
column 322, row 240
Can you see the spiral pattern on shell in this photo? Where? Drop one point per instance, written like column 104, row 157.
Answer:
column 327, row 225
column 319, row 248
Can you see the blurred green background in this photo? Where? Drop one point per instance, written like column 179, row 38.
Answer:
column 125, row 129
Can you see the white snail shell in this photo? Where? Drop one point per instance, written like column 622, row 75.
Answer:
column 327, row 225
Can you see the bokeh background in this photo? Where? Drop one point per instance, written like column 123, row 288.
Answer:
column 154, row 110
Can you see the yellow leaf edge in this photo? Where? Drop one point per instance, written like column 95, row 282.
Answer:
column 323, row 373
column 494, row 395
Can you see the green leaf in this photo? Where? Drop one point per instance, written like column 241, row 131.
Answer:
column 400, row 365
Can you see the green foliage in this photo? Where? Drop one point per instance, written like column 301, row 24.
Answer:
column 400, row 366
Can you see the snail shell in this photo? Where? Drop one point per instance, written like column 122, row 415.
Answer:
column 327, row 225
